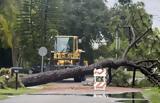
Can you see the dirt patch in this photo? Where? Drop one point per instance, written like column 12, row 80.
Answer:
column 80, row 88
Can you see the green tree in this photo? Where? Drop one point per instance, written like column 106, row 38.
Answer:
column 85, row 18
column 8, row 11
column 38, row 23
column 6, row 37
column 7, row 21
column 129, row 21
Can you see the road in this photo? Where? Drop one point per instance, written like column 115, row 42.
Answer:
column 68, row 92
column 57, row 99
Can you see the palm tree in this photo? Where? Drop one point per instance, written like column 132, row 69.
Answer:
column 5, row 32
column 8, row 11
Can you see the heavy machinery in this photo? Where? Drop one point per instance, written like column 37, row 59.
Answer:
column 66, row 54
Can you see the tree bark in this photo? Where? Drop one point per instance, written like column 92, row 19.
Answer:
column 14, row 50
column 56, row 75
column 14, row 56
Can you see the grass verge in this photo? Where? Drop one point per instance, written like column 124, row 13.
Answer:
column 153, row 94
column 4, row 93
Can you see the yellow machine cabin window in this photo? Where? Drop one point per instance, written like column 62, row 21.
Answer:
column 64, row 44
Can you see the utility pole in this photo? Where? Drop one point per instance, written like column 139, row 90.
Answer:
column 44, row 19
column 30, row 14
column 117, row 42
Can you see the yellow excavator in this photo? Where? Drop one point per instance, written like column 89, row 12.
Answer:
column 66, row 54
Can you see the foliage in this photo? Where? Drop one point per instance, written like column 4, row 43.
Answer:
column 11, row 82
column 4, row 30
column 2, row 82
column 4, row 71
column 140, row 80
column 120, row 78
column 85, row 19
column 124, row 15
column 99, row 59
column 38, row 22
column 8, row 37
column 152, row 93
column 8, row 11
column 8, row 81
column 26, row 26
column 123, row 2
column 144, row 83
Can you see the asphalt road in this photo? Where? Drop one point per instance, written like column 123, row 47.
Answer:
column 68, row 92
column 57, row 99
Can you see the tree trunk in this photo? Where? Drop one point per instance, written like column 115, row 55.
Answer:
column 14, row 56
column 14, row 50
column 56, row 75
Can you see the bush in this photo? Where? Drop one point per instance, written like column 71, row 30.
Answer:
column 2, row 82
column 152, row 93
column 11, row 83
column 120, row 78
column 144, row 83
column 6, row 81
column 4, row 71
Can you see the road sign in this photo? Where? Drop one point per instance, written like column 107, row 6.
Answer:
column 99, row 79
column 42, row 51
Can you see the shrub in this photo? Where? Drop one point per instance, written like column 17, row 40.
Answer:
column 11, row 83
column 120, row 78
column 144, row 83
column 2, row 82
column 4, row 71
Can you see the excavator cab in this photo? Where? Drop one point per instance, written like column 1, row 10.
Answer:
column 66, row 44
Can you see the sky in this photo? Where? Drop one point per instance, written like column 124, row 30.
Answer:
column 152, row 7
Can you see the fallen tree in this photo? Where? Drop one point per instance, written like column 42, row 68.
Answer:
column 145, row 66
column 56, row 75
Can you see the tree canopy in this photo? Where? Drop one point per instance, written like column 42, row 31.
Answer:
column 26, row 25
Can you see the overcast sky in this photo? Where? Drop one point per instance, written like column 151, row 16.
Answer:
column 151, row 6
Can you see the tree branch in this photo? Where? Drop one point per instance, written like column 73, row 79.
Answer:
column 149, row 60
column 134, row 42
